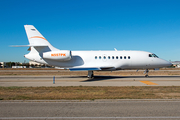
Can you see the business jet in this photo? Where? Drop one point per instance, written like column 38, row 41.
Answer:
column 43, row 52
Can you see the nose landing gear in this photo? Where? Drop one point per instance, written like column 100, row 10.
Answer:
column 146, row 73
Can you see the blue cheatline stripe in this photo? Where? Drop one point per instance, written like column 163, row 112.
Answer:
column 82, row 69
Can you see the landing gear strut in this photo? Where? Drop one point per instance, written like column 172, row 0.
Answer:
column 90, row 74
column 146, row 73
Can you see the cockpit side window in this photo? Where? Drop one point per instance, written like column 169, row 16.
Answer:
column 153, row 55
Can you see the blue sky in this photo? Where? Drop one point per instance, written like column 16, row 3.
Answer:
column 146, row 25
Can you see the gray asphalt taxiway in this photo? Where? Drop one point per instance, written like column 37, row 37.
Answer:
column 84, row 81
column 91, row 110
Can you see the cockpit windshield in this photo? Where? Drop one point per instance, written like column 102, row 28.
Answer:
column 153, row 55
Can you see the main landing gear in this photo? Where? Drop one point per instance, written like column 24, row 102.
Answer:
column 146, row 73
column 90, row 74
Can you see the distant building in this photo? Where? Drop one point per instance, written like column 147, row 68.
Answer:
column 18, row 66
column 176, row 64
column 34, row 63
column 3, row 64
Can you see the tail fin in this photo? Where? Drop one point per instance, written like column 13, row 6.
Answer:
column 36, row 39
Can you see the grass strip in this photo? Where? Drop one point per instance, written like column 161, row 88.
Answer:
column 89, row 93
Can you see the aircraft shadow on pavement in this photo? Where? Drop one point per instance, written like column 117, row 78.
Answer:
column 101, row 78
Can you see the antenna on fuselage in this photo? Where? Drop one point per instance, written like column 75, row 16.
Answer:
column 115, row 49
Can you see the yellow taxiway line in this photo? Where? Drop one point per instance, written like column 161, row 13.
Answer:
column 148, row 83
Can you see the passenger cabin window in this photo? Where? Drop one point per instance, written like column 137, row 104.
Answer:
column 153, row 55
column 121, row 57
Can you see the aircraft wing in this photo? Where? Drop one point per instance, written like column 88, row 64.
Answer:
column 91, row 68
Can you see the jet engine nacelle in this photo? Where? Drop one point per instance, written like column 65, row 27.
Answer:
column 61, row 55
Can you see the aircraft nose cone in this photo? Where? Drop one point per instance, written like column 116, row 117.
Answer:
column 166, row 63
column 170, row 64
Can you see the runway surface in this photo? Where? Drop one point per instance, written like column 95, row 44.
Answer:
column 41, row 80
column 90, row 110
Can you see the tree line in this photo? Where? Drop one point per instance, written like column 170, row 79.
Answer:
column 10, row 64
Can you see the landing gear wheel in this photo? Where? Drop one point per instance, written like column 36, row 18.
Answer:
column 90, row 74
column 146, row 75
column 146, row 72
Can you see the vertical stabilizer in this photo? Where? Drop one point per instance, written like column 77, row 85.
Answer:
column 38, row 44
column 36, row 39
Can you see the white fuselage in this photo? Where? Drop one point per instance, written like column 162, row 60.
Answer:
column 116, row 59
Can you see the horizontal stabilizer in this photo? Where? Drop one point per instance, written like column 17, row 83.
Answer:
column 28, row 45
